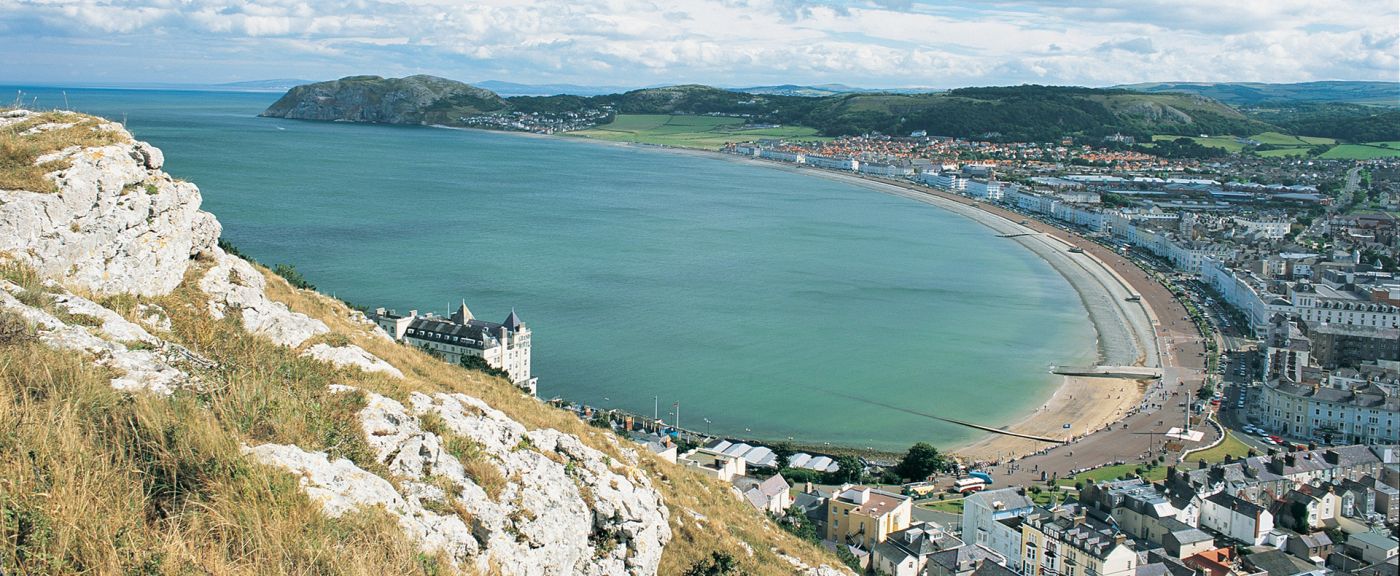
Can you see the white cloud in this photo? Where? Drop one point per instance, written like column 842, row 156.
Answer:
column 728, row 42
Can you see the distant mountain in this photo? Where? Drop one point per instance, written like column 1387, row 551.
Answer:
column 1252, row 93
column 819, row 90
column 411, row 100
column 1021, row 113
column 515, row 89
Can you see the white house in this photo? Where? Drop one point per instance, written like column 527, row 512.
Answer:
column 1236, row 518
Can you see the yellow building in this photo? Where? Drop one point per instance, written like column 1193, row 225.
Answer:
column 1065, row 543
column 865, row 516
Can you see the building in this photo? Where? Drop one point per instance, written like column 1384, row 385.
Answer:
column 1065, row 542
column 1236, row 518
column 1322, row 304
column 864, row 516
column 771, row 495
column 1336, row 345
column 717, row 465
column 1271, row 228
column 1362, row 415
column 1274, row 562
column 1372, row 547
column 504, row 346
column 906, row 552
column 992, row 519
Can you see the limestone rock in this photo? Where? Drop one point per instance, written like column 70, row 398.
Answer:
column 804, row 570
column 554, row 505
column 341, row 486
column 351, row 355
column 116, row 225
column 148, row 368
column 235, row 287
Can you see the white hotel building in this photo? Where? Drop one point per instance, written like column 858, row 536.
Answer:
column 504, row 346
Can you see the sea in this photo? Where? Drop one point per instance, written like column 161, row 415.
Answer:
column 759, row 303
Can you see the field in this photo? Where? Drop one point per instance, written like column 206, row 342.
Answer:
column 1227, row 142
column 1363, row 151
column 705, row 132
column 1289, row 140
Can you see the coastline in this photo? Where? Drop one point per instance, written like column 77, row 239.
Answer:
column 1124, row 335
column 1088, row 404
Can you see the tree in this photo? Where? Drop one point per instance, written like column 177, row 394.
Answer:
column 797, row 524
column 921, row 461
column 479, row 364
column 782, row 453
column 849, row 469
column 718, row 564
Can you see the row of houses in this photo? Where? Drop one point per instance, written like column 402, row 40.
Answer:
column 1282, row 508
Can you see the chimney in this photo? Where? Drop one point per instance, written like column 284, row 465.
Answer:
column 1079, row 518
column 1331, row 456
column 1290, row 460
column 1119, row 538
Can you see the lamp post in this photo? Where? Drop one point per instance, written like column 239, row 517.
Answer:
column 707, row 426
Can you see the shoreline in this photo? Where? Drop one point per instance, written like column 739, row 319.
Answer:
column 1087, row 404
column 1116, row 398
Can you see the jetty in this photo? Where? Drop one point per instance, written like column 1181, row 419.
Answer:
column 1131, row 372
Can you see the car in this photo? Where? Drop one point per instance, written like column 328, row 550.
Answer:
column 1270, row 441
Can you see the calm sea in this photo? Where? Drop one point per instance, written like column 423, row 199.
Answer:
column 767, row 303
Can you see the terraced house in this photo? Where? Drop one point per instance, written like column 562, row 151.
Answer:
column 1065, row 542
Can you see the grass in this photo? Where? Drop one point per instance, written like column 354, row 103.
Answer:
column 1228, row 143
column 1231, row 447
column 20, row 152
column 1290, row 140
column 703, row 132
column 1110, row 473
column 1361, row 152
column 95, row 480
column 950, row 506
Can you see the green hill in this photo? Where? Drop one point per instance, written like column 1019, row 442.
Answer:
column 1255, row 93
column 410, row 100
column 1024, row 113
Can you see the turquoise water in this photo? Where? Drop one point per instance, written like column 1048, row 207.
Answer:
column 760, row 299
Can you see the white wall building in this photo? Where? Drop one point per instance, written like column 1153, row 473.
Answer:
column 1276, row 229
column 1236, row 518
column 1323, row 412
column 504, row 346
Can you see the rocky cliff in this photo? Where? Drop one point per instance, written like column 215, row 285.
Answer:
column 410, row 100
column 170, row 408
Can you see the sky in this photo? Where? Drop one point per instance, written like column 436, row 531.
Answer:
column 867, row 43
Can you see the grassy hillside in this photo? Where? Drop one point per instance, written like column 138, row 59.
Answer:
column 1026, row 113
column 100, row 480
column 1256, row 93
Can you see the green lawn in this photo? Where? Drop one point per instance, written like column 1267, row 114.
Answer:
column 1361, row 152
column 1109, row 473
column 705, row 132
column 1289, row 140
column 1285, row 152
column 1227, row 142
column 1231, row 447
column 950, row 506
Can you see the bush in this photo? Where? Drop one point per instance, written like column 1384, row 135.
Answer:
column 290, row 274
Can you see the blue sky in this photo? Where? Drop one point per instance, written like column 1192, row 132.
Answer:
column 889, row 43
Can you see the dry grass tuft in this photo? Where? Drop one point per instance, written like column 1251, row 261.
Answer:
column 20, row 151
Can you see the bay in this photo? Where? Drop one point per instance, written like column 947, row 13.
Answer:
column 771, row 303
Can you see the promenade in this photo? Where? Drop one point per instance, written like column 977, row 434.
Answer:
column 1143, row 417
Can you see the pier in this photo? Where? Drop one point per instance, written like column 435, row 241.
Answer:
column 1131, row 372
